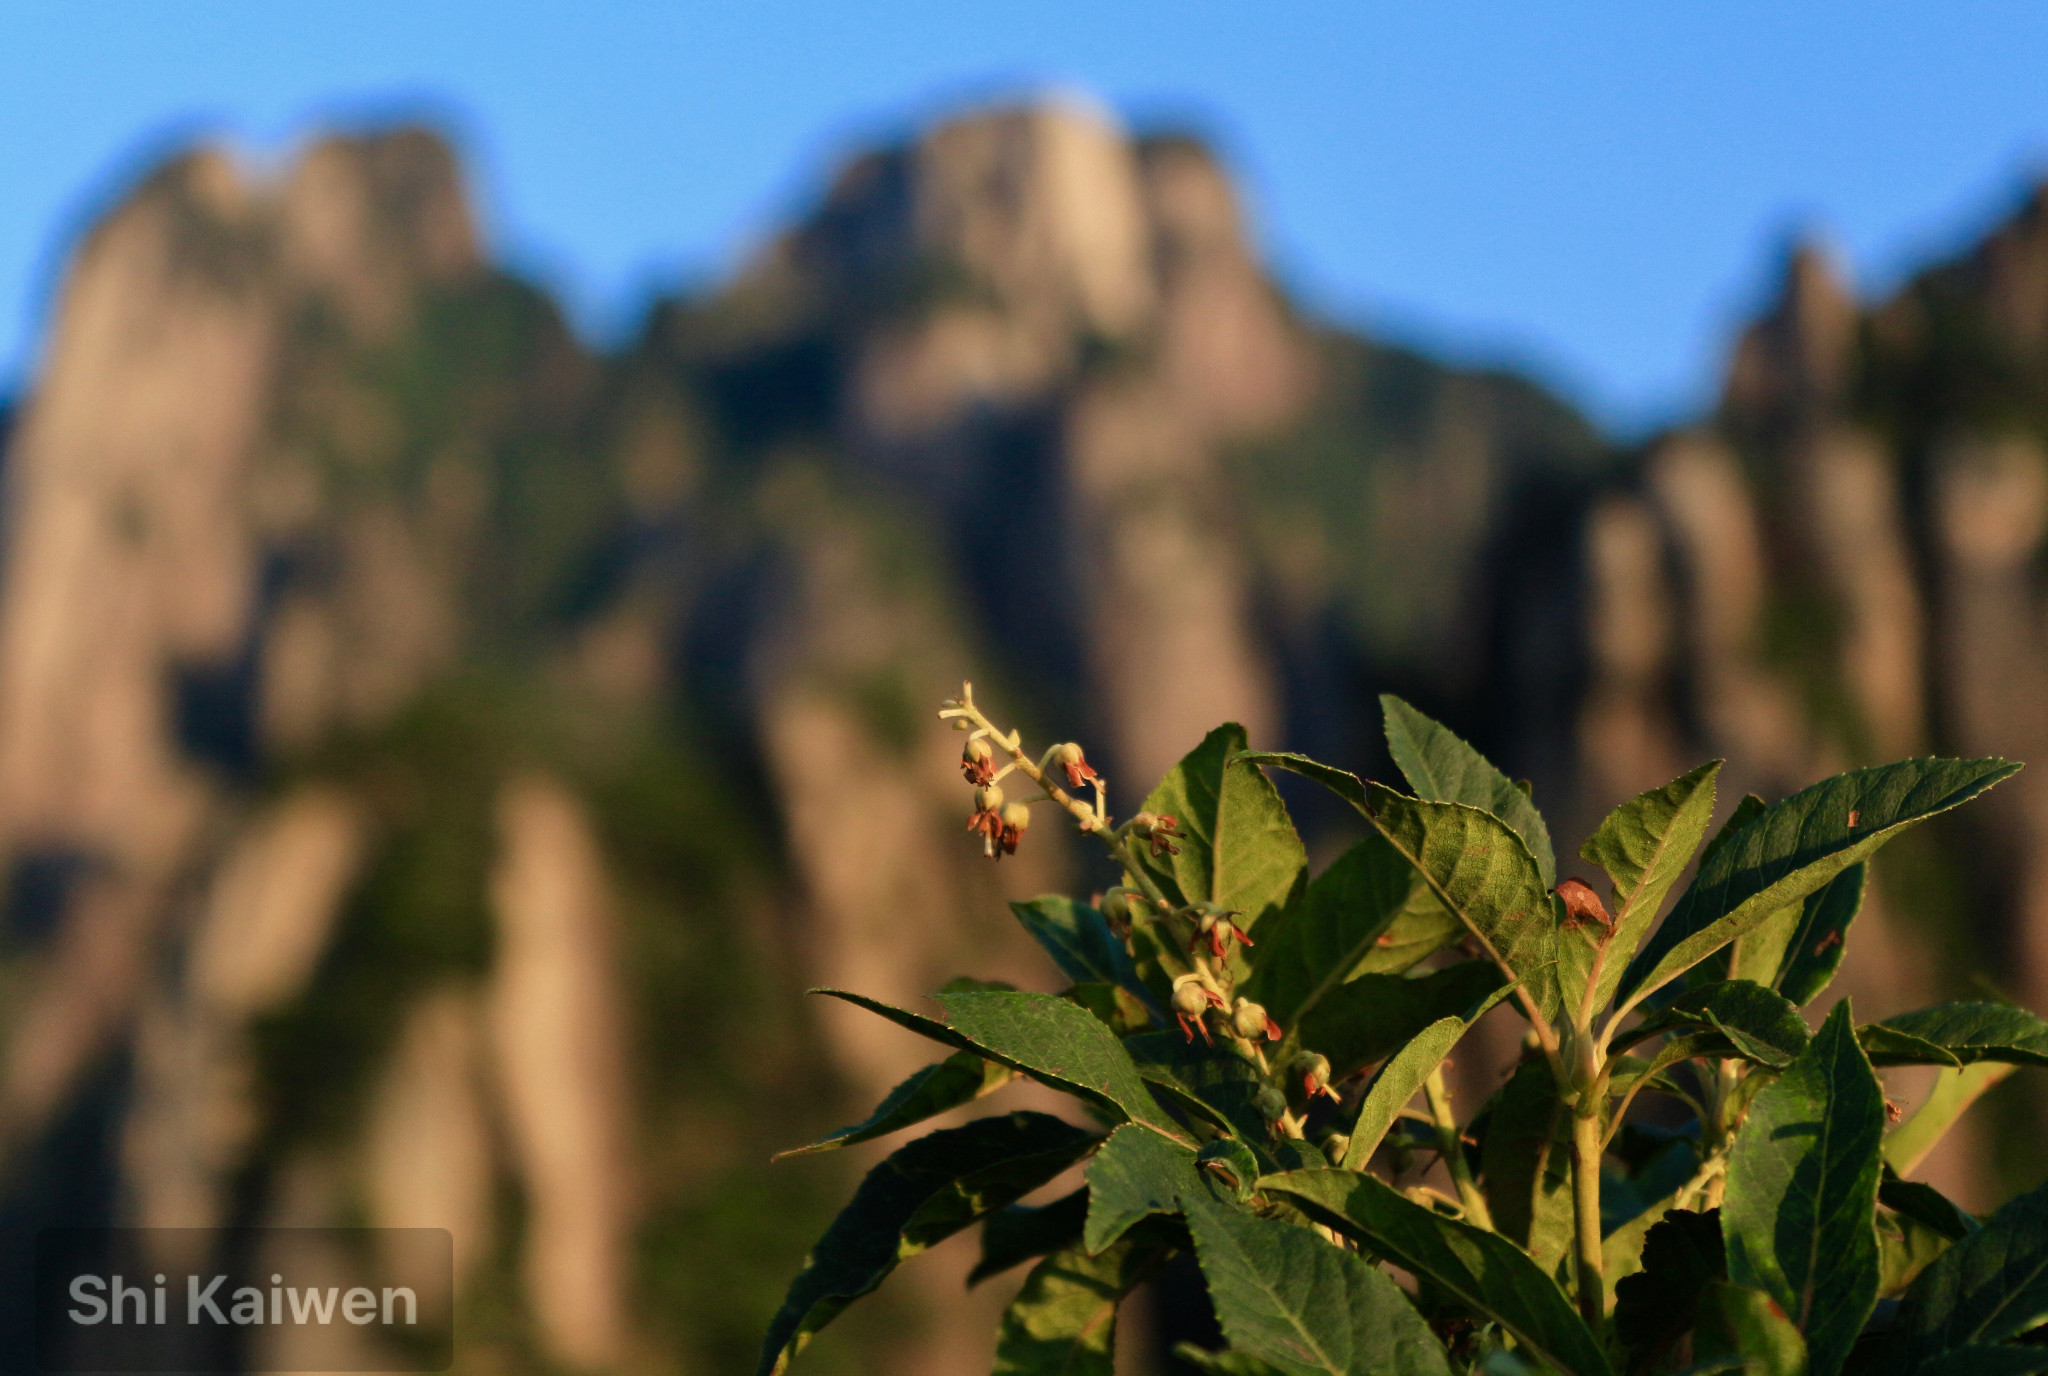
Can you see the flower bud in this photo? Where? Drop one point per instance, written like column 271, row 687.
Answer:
column 1578, row 1054
column 1272, row 1104
column 1016, row 817
column 977, row 761
column 1189, row 997
column 962, row 724
column 1334, row 1145
column 1251, row 1022
column 1314, row 1072
column 988, row 798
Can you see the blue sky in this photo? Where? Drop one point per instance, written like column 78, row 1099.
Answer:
column 1596, row 191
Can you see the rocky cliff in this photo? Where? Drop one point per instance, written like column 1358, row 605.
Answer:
column 424, row 739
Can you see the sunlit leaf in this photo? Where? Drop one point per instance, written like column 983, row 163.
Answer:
column 1442, row 768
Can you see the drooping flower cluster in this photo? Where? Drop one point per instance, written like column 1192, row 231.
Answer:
column 1001, row 823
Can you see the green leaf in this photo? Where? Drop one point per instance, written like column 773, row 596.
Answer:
column 1644, row 845
column 1370, row 1018
column 923, row 1193
column 1078, row 939
column 960, row 1079
column 1479, row 870
column 1747, row 1325
column 1016, row 1233
column 1334, row 929
column 1795, row 847
column 1990, row 1287
column 1986, row 1361
column 1905, row 1248
column 1817, row 944
column 1760, row 1023
column 1442, row 768
column 1136, row 1174
column 1063, row 1322
column 1654, row 1308
column 1978, row 1032
column 1925, row 1205
column 1953, row 1093
column 1525, row 1165
column 1051, row 1040
column 1213, row 1083
column 1405, row 1071
column 1397, row 1083
column 1112, row 1005
column 1223, row 1363
column 1483, row 1270
column 1887, row 1046
column 1802, row 1190
column 1239, row 848
column 1289, row 1299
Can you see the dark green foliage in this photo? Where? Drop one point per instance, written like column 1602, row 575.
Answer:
column 923, row 1194
column 1659, row 1304
column 1802, row 1185
column 1570, row 1237
column 1016, row 1233
column 1289, row 1299
column 1486, row 1272
column 960, row 1079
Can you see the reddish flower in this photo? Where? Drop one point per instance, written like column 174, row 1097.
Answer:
column 1069, row 758
column 978, row 762
column 1191, row 999
column 986, row 820
column 1160, row 829
column 1016, row 817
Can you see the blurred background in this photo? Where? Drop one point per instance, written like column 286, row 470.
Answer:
column 494, row 494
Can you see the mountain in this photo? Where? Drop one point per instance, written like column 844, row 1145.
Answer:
column 437, row 755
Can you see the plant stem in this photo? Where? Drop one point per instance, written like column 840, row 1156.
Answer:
column 1452, row 1150
column 1586, row 1209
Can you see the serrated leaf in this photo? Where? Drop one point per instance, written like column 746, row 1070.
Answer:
column 1063, row 1322
column 1210, row 1082
column 1887, row 1046
column 1744, row 1324
column 1659, row 1304
column 1016, row 1233
column 1795, row 847
column 1953, row 1093
column 1053, row 1041
column 1396, row 1083
column 1479, row 870
column 1644, row 845
column 1760, row 1023
column 960, row 1079
column 1442, row 768
column 1288, row 1298
column 1990, row 1287
column 1370, row 1018
column 1112, row 1005
column 1483, row 1270
column 1525, row 1165
column 923, row 1193
column 1078, row 939
column 1238, row 849
column 1223, row 1363
column 1332, row 931
column 1797, row 1216
column 1405, row 1072
column 1974, row 1032
column 1136, row 1174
